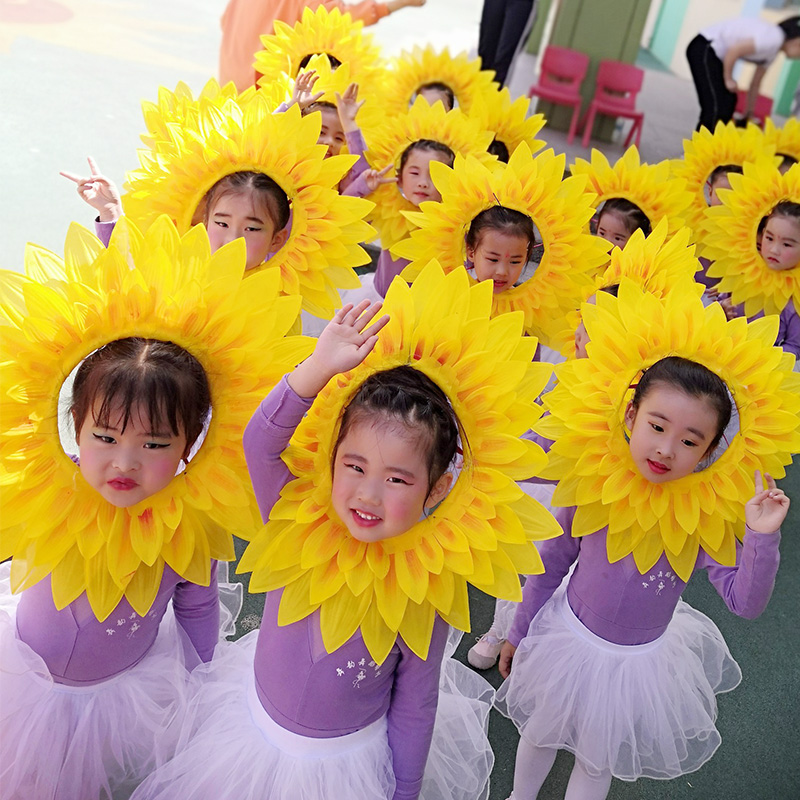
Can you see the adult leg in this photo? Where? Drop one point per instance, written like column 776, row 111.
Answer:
column 587, row 785
column 531, row 768
column 515, row 23
column 716, row 102
column 491, row 25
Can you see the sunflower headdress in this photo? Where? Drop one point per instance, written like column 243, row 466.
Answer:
column 647, row 185
column 483, row 531
column 591, row 457
column 560, row 210
column 323, row 244
column 706, row 151
column 786, row 139
column 154, row 286
column 730, row 239
column 462, row 134
column 509, row 121
column 422, row 65
column 320, row 32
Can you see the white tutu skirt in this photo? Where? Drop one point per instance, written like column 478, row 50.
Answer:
column 231, row 748
column 94, row 742
column 636, row 711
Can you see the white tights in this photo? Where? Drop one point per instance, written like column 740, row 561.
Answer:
column 533, row 765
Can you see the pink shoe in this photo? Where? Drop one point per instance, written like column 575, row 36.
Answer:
column 483, row 654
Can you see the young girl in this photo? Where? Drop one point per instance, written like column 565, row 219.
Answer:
column 298, row 721
column 243, row 205
column 614, row 667
column 91, row 707
column 618, row 219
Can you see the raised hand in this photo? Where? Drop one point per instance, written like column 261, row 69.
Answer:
column 98, row 191
column 348, row 106
column 344, row 343
column 303, row 93
column 767, row 509
column 375, row 179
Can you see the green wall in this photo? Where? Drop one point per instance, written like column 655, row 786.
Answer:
column 667, row 29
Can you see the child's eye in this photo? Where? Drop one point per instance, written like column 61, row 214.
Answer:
column 355, row 467
column 252, row 228
column 656, row 427
column 103, row 438
column 689, row 443
column 155, row 445
column 220, row 223
column 397, row 480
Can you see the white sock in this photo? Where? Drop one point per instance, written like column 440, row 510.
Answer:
column 532, row 766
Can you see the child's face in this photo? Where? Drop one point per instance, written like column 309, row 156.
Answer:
column 722, row 182
column 613, row 228
column 780, row 243
column 331, row 133
column 235, row 216
column 380, row 482
column 434, row 95
column 581, row 336
column 415, row 179
column 670, row 433
column 500, row 258
column 128, row 467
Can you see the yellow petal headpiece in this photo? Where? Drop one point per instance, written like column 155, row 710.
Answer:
column 591, row 457
column 323, row 245
column 786, row 139
column 706, row 151
column 422, row 65
column 158, row 286
column 507, row 120
column 320, row 31
column 647, row 185
column 460, row 133
column 483, row 531
column 730, row 236
column 560, row 210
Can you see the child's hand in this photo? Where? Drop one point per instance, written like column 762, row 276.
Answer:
column 348, row 106
column 731, row 311
column 99, row 192
column 302, row 94
column 375, row 179
column 506, row 658
column 731, row 85
column 343, row 344
column 767, row 509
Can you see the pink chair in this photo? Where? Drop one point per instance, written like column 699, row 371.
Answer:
column 615, row 93
column 762, row 110
column 560, row 78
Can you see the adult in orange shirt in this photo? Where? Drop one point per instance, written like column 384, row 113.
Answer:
column 245, row 21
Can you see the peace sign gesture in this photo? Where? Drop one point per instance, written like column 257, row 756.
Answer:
column 98, row 191
column 375, row 179
column 767, row 509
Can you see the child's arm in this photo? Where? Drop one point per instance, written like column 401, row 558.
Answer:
column 747, row 587
column 303, row 93
column 367, row 182
column 347, row 107
column 197, row 612
column 99, row 192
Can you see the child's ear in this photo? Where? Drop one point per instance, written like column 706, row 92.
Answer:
column 630, row 416
column 470, row 253
column 440, row 490
column 279, row 240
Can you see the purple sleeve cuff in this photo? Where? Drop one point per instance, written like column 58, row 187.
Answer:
column 356, row 146
column 357, row 188
column 104, row 230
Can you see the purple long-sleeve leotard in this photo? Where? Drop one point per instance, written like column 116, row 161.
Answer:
column 309, row 691
column 619, row 604
column 80, row 650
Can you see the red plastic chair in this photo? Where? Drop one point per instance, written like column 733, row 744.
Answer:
column 560, row 79
column 615, row 93
column 762, row 110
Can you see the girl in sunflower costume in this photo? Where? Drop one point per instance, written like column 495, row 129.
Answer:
column 366, row 556
column 613, row 666
column 111, row 592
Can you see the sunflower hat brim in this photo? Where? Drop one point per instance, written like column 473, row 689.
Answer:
column 786, row 138
column 591, row 458
column 483, row 531
column 321, row 32
column 549, row 299
column 730, row 239
column 323, row 245
column 463, row 135
column 413, row 69
column 649, row 186
column 705, row 151
column 507, row 120
column 158, row 286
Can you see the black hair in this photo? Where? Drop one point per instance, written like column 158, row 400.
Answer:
column 334, row 62
column 426, row 144
column 135, row 375
column 409, row 398
column 633, row 216
column 438, row 86
column 790, row 27
column 499, row 149
column 500, row 218
column 786, row 162
column 722, row 170
column 612, row 289
column 695, row 380
column 266, row 193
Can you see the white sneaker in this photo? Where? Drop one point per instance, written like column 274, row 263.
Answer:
column 483, row 654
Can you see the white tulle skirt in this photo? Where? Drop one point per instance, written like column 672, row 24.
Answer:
column 61, row 742
column 643, row 710
column 232, row 748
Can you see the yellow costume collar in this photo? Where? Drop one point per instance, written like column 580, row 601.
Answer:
column 786, row 139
